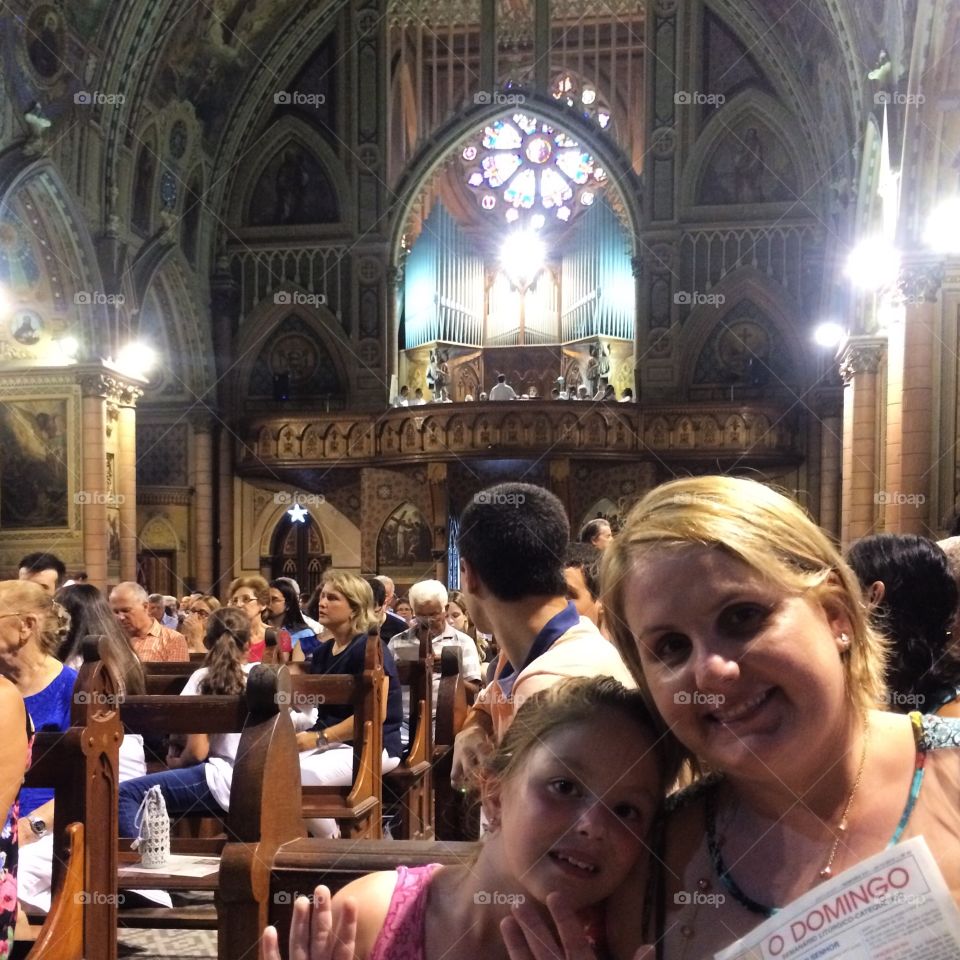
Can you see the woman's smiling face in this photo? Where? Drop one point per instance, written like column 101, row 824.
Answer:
column 744, row 672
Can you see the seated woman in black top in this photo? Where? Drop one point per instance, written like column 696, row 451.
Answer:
column 326, row 758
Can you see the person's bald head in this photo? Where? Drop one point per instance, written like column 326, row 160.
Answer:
column 130, row 605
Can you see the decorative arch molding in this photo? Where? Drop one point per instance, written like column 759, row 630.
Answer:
column 168, row 311
column 621, row 177
column 749, row 285
column 158, row 533
column 261, row 325
column 328, row 519
column 60, row 228
column 288, row 130
column 749, row 105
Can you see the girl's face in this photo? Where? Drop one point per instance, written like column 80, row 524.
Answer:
column 747, row 675
column 334, row 609
column 574, row 817
column 456, row 616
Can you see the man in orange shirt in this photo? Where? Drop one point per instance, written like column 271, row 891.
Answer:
column 150, row 640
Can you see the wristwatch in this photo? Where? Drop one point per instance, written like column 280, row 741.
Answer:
column 38, row 826
column 322, row 740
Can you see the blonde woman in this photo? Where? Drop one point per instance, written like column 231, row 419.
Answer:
column 346, row 609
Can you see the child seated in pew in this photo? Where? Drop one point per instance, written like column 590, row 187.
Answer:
column 346, row 610
column 200, row 774
column 570, row 794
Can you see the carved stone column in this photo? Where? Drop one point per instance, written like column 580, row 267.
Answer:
column 910, row 400
column 830, row 416
column 859, row 368
column 127, row 480
column 225, row 513
column 201, row 480
column 440, row 504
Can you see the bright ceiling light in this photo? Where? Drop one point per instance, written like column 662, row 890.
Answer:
column 522, row 257
column 5, row 303
column 136, row 359
column 68, row 346
column 943, row 228
column 829, row 334
column 873, row 263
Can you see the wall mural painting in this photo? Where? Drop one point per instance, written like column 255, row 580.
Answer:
column 45, row 42
column 33, row 464
column 293, row 188
column 404, row 539
column 750, row 165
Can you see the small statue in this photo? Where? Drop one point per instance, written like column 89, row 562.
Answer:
column 37, row 126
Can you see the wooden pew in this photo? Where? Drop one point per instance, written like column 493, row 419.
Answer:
column 357, row 808
column 81, row 765
column 298, row 866
column 409, row 787
column 456, row 816
column 168, row 679
column 264, row 799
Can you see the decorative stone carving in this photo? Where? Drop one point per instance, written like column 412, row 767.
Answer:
column 920, row 282
column 861, row 356
column 663, row 142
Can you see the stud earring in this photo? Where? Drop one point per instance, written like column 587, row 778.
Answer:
column 844, row 642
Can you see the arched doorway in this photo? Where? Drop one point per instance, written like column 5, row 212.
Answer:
column 296, row 550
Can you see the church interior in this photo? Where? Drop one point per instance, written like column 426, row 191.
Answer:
column 231, row 231
column 268, row 268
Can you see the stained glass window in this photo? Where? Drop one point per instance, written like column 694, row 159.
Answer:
column 536, row 171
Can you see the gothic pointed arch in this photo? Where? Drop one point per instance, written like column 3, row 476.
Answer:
column 294, row 178
column 745, row 343
column 750, row 152
column 297, row 551
column 301, row 342
column 48, row 265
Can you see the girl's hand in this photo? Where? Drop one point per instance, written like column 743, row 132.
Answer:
column 527, row 936
column 314, row 935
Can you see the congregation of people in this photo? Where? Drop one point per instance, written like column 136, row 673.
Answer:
column 710, row 698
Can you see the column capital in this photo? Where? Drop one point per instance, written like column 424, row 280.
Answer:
column 920, row 280
column 861, row 355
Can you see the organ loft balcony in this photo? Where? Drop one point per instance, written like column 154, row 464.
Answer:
column 718, row 436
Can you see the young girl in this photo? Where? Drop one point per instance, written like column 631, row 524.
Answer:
column 569, row 794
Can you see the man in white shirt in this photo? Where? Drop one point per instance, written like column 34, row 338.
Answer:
column 502, row 390
column 429, row 601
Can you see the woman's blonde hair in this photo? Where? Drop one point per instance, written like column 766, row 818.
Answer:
column 358, row 594
column 27, row 597
column 770, row 534
column 574, row 702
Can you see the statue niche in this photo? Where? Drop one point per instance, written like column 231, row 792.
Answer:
column 293, row 189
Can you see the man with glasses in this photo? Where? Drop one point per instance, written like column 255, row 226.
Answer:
column 151, row 641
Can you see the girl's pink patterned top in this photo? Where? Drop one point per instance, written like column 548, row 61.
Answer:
column 403, row 935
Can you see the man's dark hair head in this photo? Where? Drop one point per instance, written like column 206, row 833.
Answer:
column 586, row 558
column 514, row 536
column 404, row 389
column 379, row 591
column 38, row 562
column 501, row 378
column 591, row 528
